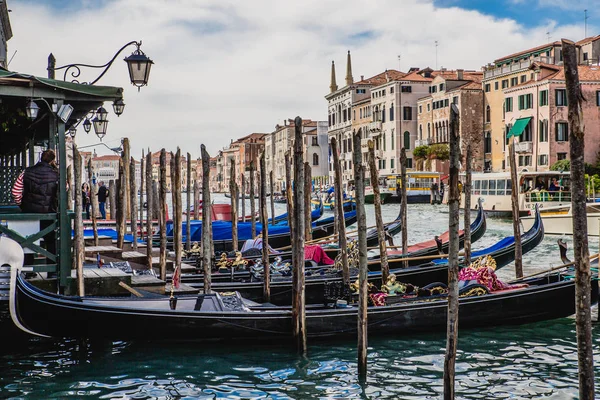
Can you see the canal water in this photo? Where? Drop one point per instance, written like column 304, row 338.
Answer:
column 526, row 362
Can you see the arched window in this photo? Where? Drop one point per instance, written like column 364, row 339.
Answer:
column 420, row 132
column 315, row 159
column 429, row 130
column 376, row 116
column 392, row 112
column 407, row 140
column 488, row 114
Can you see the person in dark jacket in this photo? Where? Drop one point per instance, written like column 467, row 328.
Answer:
column 102, row 195
column 40, row 193
column 85, row 199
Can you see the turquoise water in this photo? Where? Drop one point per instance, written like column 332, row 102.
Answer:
column 525, row 362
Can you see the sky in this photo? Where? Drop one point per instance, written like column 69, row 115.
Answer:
column 224, row 69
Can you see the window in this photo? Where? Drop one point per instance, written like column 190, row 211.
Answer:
column 523, row 78
column 421, row 107
column 514, row 81
column 391, row 90
column 543, row 130
column 407, row 113
column 384, row 142
column 484, row 187
column 382, row 164
column 492, row 187
column 488, row 114
column 496, row 85
column 455, row 100
column 315, row 159
column 562, row 132
column 525, row 101
column 561, row 156
column 524, row 161
column 392, row 163
column 446, row 103
column 315, row 141
column 407, row 140
column 585, row 56
column 434, row 89
column 383, row 114
column 527, row 135
column 361, row 91
column 561, row 97
column 544, row 97
column 392, row 139
column 345, row 115
column 500, row 187
column 487, row 144
column 428, row 107
column 392, row 112
column 441, row 87
column 406, row 89
column 504, row 83
column 509, row 104
column 543, row 159
column 353, row 114
column 487, row 87
column 383, row 92
column 598, row 98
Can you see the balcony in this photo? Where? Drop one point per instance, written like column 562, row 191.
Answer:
column 364, row 144
column 523, row 147
column 375, row 126
column 424, row 142
column 514, row 67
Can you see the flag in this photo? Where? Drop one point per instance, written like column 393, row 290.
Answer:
column 176, row 278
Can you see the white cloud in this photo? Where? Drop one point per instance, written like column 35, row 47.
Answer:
column 224, row 69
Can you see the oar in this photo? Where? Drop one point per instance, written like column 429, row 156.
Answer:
column 552, row 269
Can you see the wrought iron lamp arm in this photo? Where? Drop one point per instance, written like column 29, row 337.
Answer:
column 77, row 70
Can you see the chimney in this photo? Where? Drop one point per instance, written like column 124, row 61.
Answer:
column 459, row 74
column 349, row 78
column 387, row 78
column 362, row 77
column 333, row 86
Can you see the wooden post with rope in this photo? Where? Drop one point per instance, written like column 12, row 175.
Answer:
column 188, row 200
column 126, row 156
column 307, row 192
column 467, row 208
column 264, row 220
column 234, row 197
column 339, row 206
column 515, row 208
column 206, row 220
column 299, row 216
column 359, row 184
column 243, row 200
column 385, row 269
column 142, row 182
column 272, row 197
column 94, row 200
column 288, row 190
column 122, row 209
column 453, row 205
column 403, row 203
column 177, row 211
column 196, row 192
column 252, row 194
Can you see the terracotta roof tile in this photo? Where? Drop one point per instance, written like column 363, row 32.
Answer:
column 588, row 40
column 527, row 51
column 587, row 73
column 380, row 79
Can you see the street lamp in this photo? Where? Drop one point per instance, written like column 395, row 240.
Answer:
column 87, row 125
column 118, row 107
column 72, row 131
column 100, row 123
column 32, row 110
column 138, row 65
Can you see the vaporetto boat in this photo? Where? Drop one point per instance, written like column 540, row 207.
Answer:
column 558, row 220
column 533, row 188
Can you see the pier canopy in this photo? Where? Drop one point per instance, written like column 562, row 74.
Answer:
column 519, row 126
column 59, row 105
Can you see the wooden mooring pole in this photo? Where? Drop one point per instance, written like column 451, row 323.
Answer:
column 112, row 199
column 149, row 201
column 515, row 208
column 78, row 243
column 359, row 190
column 142, row 176
column 264, row 220
column 307, row 193
column 339, row 206
column 272, row 197
column 288, row 190
column 177, row 210
column 126, row 156
column 252, row 194
column 196, row 193
column 385, row 268
column 403, row 204
column 467, row 208
column 299, row 216
column 243, row 200
column 94, row 201
column 122, row 202
column 583, row 282
column 162, row 220
column 234, row 199
column 206, row 220
column 133, row 202
column 453, row 205
column 188, row 200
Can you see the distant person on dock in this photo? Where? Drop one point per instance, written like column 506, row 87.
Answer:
column 85, row 199
column 102, row 195
column 36, row 191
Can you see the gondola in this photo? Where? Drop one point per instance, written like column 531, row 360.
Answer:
column 440, row 243
column 279, row 235
column 228, row 316
column 314, row 215
column 503, row 251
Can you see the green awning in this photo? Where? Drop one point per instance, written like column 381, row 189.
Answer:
column 88, row 90
column 519, row 126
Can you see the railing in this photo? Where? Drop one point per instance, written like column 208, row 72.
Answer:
column 545, row 196
column 505, row 69
column 423, row 142
column 364, row 143
column 375, row 126
column 523, row 147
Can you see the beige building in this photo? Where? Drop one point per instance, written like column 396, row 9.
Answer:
column 513, row 70
column 462, row 88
